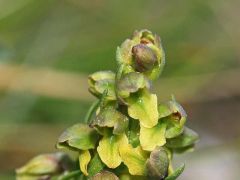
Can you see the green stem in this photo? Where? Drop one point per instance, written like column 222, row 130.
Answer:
column 91, row 111
column 71, row 175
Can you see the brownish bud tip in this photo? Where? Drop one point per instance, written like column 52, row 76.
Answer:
column 145, row 58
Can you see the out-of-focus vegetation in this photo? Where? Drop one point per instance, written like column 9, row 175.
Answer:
column 48, row 47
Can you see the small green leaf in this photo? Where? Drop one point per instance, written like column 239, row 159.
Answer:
column 150, row 138
column 84, row 159
column 108, row 149
column 110, row 117
column 105, row 175
column 134, row 159
column 95, row 165
column 158, row 163
column 143, row 106
column 101, row 81
column 187, row 138
column 79, row 137
column 176, row 173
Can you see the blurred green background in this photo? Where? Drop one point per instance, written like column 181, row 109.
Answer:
column 48, row 47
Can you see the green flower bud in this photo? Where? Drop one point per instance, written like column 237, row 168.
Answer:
column 44, row 166
column 143, row 52
column 145, row 58
column 101, row 81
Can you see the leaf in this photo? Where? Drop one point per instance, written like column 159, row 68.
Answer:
column 105, row 175
column 150, row 138
column 176, row 173
column 95, row 165
column 108, row 149
column 78, row 137
column 143, row 106
column 101, row 81
column 110, row 117
column 84, row 159
column 130, row 83
column 158, row 163
column 187, row 138
column 134, row 159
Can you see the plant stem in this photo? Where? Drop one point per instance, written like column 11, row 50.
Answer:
column 71, row 175
column 91, row 111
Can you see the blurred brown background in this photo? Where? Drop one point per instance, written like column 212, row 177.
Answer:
column 48, row 47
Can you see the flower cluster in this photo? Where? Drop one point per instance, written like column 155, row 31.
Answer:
column 129, row 134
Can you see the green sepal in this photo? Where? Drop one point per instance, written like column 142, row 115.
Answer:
column 186, row 139
column 176, row 173
column 186, row 149
column 110, row 117
column 131, row 83
column 124, row 52
column 78, row 137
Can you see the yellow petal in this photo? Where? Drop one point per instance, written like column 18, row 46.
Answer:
column 108, row 149
column 134, row 159
column 143, row 106
column 84, row 159
column 153, row 137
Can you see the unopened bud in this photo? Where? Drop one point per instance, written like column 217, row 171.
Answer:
column 145, row 58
